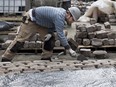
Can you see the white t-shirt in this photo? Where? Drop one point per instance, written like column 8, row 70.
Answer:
column 30, row 14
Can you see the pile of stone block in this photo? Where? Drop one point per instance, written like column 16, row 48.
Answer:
column 95, row 34
column 34, row 42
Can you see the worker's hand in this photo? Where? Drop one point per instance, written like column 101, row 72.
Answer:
column 72, row 53
column 47, row 37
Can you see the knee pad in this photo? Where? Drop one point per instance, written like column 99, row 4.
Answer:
column 17, row 46
column 49, row 45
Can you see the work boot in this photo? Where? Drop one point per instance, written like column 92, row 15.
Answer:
column 5, row 60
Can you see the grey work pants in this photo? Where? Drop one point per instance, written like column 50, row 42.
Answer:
column 27, row 31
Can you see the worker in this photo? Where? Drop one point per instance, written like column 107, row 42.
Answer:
column 44, row 20
column 98, row 9
column 66, row 4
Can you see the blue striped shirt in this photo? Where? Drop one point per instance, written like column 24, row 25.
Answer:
column 52, row 18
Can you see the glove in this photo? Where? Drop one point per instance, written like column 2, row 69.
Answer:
column 72, row 53
column 47, row 37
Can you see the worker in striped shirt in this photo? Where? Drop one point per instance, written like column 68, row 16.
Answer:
column 44, row 20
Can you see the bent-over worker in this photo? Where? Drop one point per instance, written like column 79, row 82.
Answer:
column 44, row 20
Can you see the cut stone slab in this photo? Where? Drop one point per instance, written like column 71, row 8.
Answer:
column 107, row 25
column 101, row 34
column 96, row 42
column 78, row 40
column 38, row 44
column 98, row 26
column 85, row 52
column 31, row 44
column 91, row 35
column 81, row 27
column 86, row 42
column 72, row 43
column 111, row 41
column 112, row 18
column 91, row 28
column 111, row 35
column 100, row 54
column 81, row 34
column 105, row 41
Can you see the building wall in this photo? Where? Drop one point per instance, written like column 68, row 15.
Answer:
column 12, row 6
column 37, row 3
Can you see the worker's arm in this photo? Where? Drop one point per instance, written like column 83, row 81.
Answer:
column 59, row 26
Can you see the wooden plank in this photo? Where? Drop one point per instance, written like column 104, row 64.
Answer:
column 106, row 47
column 11, row 18
column 6, row 32
column 39, row 50
column 55, row 48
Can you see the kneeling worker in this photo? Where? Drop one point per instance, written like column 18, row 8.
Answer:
column 44, row 20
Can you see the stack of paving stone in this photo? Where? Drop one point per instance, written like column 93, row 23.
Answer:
column 95, row 34
column 34, row 42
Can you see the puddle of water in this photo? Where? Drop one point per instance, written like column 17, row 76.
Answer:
column 81, row 78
